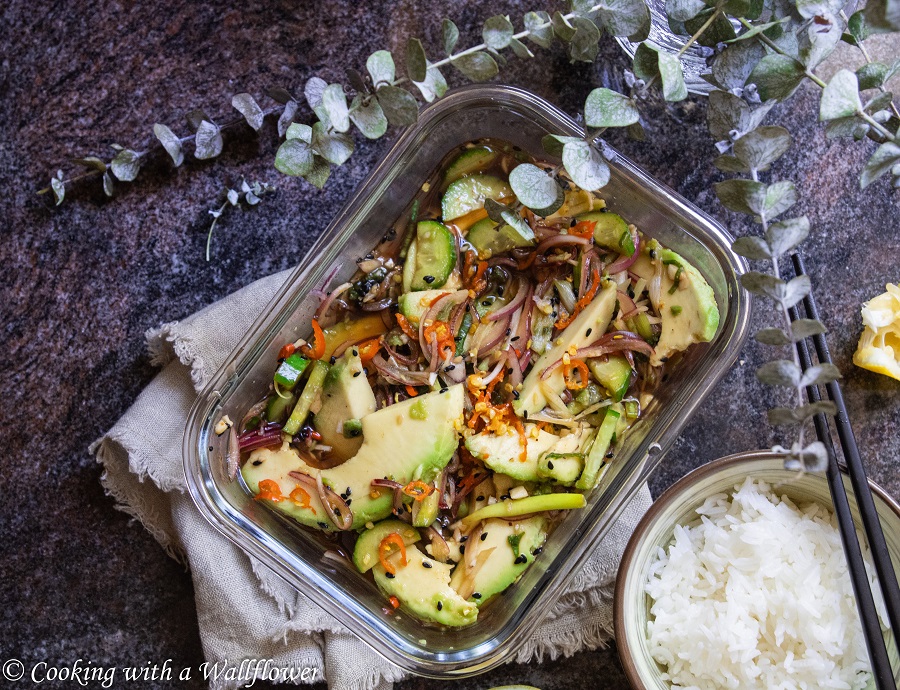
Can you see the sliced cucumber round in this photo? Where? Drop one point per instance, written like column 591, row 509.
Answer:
column 475, row 159
column 610, row 231
column 469, row 193
column 487, row 236
column 431, row 257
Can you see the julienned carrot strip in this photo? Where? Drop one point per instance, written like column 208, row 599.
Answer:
column 584, row 301
column 412, row 392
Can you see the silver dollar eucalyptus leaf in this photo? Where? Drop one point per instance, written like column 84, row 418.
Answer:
column 787, row 234
column 170, row 142
column 607, row 108
column 585, row 164
column 754, row 248
column 126, row 163
column 840, row 98
column 368, row 117
column 434, row 85
column 334, row 147
column 781, row 372
column 885, row 157
column 776, row 77
column 294, row 158
column 540, row 30
column 335, row 103
column 287, row 116
column 208, row 141
column 381, row 68
column 399, row 106
column 476, row 66
column 762, row 146
column 497, row 32
column 247, row 106
column 416, row 62
column 535, row 188
column 449, row 36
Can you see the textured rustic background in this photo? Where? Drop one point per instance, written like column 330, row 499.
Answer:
column 81, row 283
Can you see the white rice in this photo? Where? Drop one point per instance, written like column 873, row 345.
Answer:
column 756, row 594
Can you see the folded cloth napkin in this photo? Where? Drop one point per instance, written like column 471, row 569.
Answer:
column 246, row 613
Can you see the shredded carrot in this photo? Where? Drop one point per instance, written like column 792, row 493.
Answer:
column 286, row 351
column 582, row 369
column 269, row 491
column 319, row 350
column 300, row 497
column 584, row 301
column 412, row 392
column 395, row 602
column 436, row 299
column 385, row 550
column 418, row 490
column 584, row 229
column 368, row 349
column 405, row 327
column 520, row 429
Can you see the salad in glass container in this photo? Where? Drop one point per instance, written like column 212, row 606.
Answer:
column 469, row 384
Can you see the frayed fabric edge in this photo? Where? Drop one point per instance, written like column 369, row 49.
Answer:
column 167, row 342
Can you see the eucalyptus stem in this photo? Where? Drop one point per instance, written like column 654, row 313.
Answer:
column 693, row 39
column 774, row 46
column 868, row 59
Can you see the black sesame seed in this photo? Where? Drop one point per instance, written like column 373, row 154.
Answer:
column 521, row 558
column 356, row 373
column 333, row 360
column 535, row 552
column 426, row 564
column 391, row 234
column 514, row 338
column 257, row 463
column 348, row 492
column 440, row 606
column 462, row 540
column 450, row 367
column 588, row 332
column 480, row 498
column 504, row 497
column 483, row 536
column 486, row 303
column 572, row 224
column 549, row 464
column 323, row 525
column 390, row 576
column 211, row 449
column 348, row 501
column 428, row 279
column 609, row 454
column 516, row 395
column 462, row 549
column 444, row 390
column 509, row 331
column 476, row 595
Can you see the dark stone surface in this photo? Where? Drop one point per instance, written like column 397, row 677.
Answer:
column 84, row 281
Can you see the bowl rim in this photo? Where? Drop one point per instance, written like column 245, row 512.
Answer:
column 669, row 496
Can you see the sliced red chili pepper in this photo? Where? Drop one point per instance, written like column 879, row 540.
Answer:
column 386, row 549
column 582, row 369
column 584, row 228
column 300, row 496
column 317, row 351
column 418, row 490
column 269, row 491
column 405, row 327
column 286, row 351
column 368, row 349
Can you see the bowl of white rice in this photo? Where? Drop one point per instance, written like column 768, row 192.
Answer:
column 736, row 578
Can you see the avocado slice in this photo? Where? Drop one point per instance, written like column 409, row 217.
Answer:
column 346, row 395
column 502, row 452
column 413, row 304
column 561, row 468
column 469, row 194
column 514, row 545
column 413, row 439
column 423, row 587
column 365, row 552
column 589, row 325
column 688, row 308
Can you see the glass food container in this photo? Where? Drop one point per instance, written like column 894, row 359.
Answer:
column 298, row 554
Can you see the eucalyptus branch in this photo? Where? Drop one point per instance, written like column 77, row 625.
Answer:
column 858, row 42
column 691, row 41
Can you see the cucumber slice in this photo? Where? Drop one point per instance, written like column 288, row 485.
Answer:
column 431, row 258
column 475, row 159
column 490, row 237
column 614, row 374
column 469, row 193
column 597, row 457
column 611, row 231
column 365, row 553
column 414, row 304
column 563, row 468
column 277, row 408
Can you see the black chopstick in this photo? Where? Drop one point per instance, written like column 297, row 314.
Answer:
column 881, row 557
column 881, row 668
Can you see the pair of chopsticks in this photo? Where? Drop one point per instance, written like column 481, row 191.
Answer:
column 887, row 578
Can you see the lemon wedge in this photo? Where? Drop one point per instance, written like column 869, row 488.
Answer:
column 879, row 344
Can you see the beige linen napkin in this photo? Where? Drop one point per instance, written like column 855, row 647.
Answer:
column 245, row 611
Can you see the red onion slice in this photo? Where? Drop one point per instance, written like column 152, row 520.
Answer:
column 623, row 263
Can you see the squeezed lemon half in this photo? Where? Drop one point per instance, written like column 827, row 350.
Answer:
column 879, row 344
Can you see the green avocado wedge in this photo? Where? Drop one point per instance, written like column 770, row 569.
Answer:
column 687, row 307
column 413, row 439
column 423, row 587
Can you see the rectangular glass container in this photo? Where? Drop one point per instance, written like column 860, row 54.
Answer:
column 297, row 553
